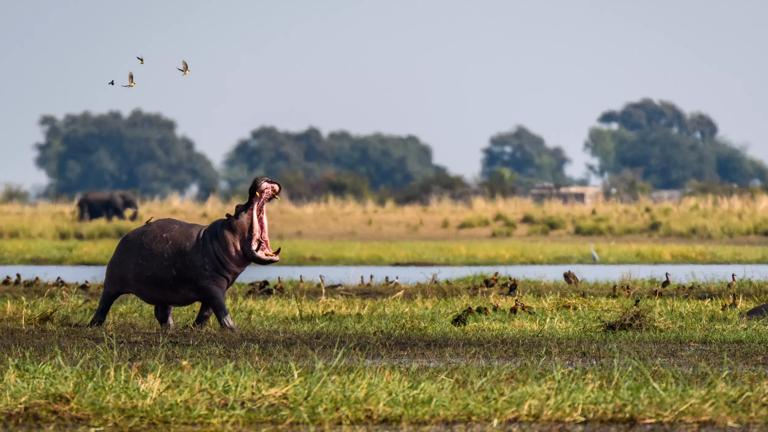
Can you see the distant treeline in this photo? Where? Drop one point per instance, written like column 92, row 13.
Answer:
column 643, row 146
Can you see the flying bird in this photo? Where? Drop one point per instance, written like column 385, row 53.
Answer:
column 184, row 69
column 140, row 59
column 131, row 82
column 111, row 83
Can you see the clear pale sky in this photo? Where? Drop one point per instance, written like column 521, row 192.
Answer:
column 451, row 72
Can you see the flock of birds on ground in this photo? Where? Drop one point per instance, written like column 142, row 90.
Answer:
column 184, row 69
column 507, row 284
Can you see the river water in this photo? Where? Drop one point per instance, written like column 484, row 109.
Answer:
column 406, row 274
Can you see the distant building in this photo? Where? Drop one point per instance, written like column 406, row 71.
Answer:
column 567, row 194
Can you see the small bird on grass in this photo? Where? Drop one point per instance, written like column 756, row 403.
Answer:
column 184, row 69
column 732, row 283
column 259, row 288
column 570, row 278
column 7, row 281
column 734, row 304
column 491, row 281
column 511, row 286
column 666, row 282
column 131, row 82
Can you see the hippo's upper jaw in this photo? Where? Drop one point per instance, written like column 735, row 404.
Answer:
column 261, row 251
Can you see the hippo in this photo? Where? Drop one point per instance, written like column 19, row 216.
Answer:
column 169, row 262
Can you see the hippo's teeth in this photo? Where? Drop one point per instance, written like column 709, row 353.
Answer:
column 277, row 251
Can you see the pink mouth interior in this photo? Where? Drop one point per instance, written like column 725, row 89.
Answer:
column 260, row 236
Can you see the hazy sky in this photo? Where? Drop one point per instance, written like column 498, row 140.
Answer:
column 451, row 72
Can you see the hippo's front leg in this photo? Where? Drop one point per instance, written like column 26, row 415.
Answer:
column 215, row 299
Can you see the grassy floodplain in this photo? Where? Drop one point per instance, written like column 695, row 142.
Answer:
column 390, row 355
column 695, row 230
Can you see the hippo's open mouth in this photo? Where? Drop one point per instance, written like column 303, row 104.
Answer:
column 260, row 246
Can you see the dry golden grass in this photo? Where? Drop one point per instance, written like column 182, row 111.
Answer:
column 693, row 218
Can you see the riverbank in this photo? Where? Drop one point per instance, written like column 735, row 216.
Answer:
column 571, row 250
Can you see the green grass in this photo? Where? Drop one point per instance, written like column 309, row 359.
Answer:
column 386, row 355
column 441, row 252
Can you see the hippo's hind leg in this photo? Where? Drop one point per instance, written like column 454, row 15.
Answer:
column 203, row 315
column 105, row 302
column 163, row 315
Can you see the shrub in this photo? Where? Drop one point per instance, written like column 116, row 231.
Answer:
column 590, row 228
column 474, row 222
column 538, row 229
column 505, row 220
column 655, row 226
column 553, row 222
column 502, row 232
column 528, row 219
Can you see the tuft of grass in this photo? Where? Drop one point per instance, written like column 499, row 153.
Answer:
column 633, row 318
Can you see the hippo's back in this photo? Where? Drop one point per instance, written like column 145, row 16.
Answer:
column 156, row 256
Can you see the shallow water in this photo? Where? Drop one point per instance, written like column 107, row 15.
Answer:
column 406, row 274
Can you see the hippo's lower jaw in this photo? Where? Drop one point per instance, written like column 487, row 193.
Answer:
column 262, row 254
column 261, row 251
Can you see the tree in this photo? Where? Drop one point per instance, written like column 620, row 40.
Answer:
column 384, row 163
column 13, row 193
column 440, row 185
column 140, row 152
column 527, row 156
column 500, row 182
column 667, row 148
column 626, row 186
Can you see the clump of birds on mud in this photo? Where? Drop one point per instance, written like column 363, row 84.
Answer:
column 632, row 318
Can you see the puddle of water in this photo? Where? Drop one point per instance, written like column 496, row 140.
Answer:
column 351, row 274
